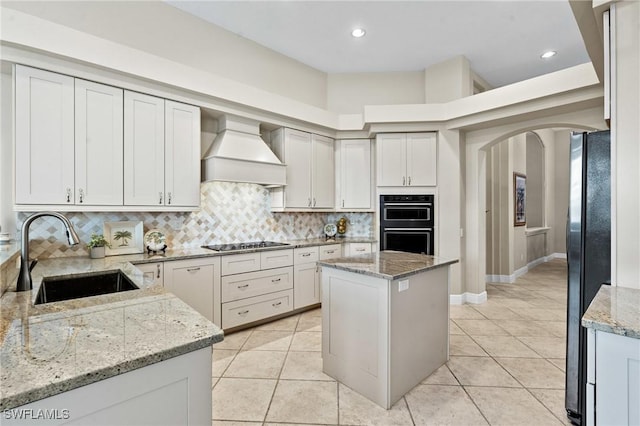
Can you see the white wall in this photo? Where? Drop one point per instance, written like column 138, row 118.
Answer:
column 165, row 31
column 560, row 204
column 348, row 93
column 448, row 80
column 518, row 159
column 626, row 147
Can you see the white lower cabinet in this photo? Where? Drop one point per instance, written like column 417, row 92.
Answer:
column 153, row 272
column 306, row 290
column 256, row 286
column 194, row 281
column 613, row 375
column 172, row 392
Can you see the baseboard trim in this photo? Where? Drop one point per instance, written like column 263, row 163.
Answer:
column 510, row 279
column 474, row 298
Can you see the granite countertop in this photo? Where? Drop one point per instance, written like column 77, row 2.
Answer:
column 615, row 310
column 9, row 252
column 390, row 265
column 55, row 347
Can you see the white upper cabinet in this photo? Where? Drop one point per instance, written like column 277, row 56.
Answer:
column 44, row 135
column 407, row 159
column 143, row 149
column 82, row 145
column 322, row 183
column 182, row 154
column 310, row 170
column 98, row 147
column 355, row 187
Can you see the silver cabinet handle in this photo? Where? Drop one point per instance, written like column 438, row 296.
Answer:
column 330, row 251
column 243, row 312
column 81, row 192
column 193, row 269
column 243, row 286
column 68, row 195
column 409, row 180
column 169, row 198
column 403, row 180
column 276, row 280
column 360, row 249
column 309, row 202
column 342, row 203
column 158, row 276
column 306, row 254
column 160, row 195
column 314, row 201
column 276, row 304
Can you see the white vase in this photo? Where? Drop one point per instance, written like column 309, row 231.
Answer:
column 96, row 252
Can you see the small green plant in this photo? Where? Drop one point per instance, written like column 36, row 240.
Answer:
column 98, row 240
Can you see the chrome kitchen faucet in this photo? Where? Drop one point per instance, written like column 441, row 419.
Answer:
column 24, row 279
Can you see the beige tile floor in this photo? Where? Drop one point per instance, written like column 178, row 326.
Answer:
column 506, row 367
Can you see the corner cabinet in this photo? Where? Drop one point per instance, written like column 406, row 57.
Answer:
column 309, row 159
column 407, row 159
column 354, row 177
column 85, row 146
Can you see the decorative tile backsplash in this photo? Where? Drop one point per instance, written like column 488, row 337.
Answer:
column 230, row 212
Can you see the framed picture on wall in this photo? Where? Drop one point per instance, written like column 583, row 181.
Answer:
column 519, row 199
column 124, row 237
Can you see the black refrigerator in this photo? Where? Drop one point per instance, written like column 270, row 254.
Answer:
column 588, row 252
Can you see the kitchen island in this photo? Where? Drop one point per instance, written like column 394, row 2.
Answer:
column 385, row 321
column 139, row 356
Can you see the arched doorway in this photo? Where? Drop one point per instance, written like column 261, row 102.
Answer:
column 478, row 144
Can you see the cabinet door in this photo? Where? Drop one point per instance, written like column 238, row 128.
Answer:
column 182, row 154
column 421, row 159
column 355, row 174
column 143, row 150
column 98, row 143
column 193, row 281
column 153, row 272
column 323, row 172
column 392, row 160
column 306, row 285
column 44, row 137
column 298, row 160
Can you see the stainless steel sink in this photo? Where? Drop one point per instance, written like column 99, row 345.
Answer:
column 55, row 289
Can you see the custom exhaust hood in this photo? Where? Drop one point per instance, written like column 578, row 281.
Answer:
column 238, row 154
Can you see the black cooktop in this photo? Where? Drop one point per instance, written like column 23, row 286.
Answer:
column 244, row 246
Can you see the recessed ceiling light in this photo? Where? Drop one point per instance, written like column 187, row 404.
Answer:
column 358, row 32
column 548, row 54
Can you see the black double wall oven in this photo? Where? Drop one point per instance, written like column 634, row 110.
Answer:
column 406, row 223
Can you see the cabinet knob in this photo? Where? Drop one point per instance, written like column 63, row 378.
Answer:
column 68, row 195
column 409, row 180
column 403, row 180
column 314, row 201
column 81, row 193
column 160, row 196
column 169, row 198
column 309, row 202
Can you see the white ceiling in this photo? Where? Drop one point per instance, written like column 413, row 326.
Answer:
column 503, row 40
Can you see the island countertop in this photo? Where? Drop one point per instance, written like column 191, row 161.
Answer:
column 615, row 310
column 390, row 265
column 55, row 347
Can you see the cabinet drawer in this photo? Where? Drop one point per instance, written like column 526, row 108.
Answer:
column 276, row 258
column 239, row 263
column 305, row 255
column 359, row 248
column 241, row 286
column 330, row 252
column 256, row 308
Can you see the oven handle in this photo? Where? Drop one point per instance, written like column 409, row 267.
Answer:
column 408, row 229
column 407, row 204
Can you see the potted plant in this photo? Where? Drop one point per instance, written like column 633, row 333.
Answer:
column 96, row 246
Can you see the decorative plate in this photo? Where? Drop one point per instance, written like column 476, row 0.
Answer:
column 330, row 229
column 155, row 240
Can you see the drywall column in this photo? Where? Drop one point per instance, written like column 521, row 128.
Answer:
column 625, row 128
column 449, row 188
column 7, row 216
